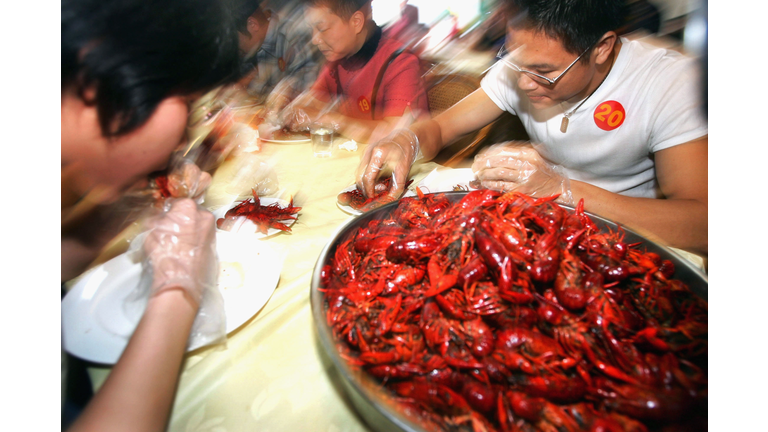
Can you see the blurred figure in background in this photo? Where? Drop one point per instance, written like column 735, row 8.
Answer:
column 490, row 33
column 279, row 61
column 617, row 123
column 443, row 31
column 640, row 15
column 406, row 27
column 129, row 70
column 376, row 85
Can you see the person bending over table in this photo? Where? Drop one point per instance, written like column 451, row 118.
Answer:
column 126, row 85
column 279, row 61
column 619, row 124
column 356, row 53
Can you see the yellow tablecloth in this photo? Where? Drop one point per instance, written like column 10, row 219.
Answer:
column 272, row 375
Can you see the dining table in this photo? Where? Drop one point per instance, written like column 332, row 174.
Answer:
column 271, row 373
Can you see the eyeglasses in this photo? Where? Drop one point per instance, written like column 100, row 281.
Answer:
column 541, row 79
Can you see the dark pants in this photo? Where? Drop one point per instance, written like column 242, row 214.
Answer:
column 78, row 389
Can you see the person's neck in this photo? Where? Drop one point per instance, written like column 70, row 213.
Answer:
column 602, row 73
column 366, row 51
column 367, row 33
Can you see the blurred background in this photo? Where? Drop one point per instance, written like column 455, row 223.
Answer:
column 665, row 19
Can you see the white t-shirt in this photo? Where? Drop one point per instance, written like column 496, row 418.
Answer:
column 650, row 101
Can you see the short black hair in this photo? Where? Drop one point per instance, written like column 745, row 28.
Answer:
column 577, row 24
column 136, row 53
column 342, row 8
column 241, row 10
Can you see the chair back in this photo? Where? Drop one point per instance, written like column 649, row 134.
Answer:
column 443, row 91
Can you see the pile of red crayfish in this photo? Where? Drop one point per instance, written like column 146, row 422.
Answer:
column 264, row 216
column 501, row 312
column 358, row 201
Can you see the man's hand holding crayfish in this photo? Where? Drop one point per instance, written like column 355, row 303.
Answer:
column 392, row 156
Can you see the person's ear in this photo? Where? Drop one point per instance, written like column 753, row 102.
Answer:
column 252, row 25
column 604, row 47
column 358, row 21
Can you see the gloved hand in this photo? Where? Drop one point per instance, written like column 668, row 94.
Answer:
column 509, row 166
column 180, row 249
column 298, row 115
column 397, row 152
column 178, row 252
column 186, row 180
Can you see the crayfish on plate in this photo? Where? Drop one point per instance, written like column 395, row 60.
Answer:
column 263, row 216
column 503, row 312
column 358, row 201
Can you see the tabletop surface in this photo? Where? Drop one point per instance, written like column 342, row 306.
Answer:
column 272, row 374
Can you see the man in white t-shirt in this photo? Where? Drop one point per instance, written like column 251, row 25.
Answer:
column 619, row 124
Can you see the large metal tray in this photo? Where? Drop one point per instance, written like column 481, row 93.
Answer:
column 374, row 403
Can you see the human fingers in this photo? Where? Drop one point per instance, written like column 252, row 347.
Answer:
column 184, row 222
column 500, row 185
column 501, row 157
column 181, row 249
column 300, row 120
column 399, row 179
column 370, row 166
column 189, row 182
column 501, row 174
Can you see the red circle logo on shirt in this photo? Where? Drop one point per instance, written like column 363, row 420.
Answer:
column 363, row 104
column 609, row 115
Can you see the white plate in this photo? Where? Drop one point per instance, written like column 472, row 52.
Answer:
column 350, row 210
column 295, row 140
column 243, row 225
column 96, row 326
column 301, row 141
column 446, row 180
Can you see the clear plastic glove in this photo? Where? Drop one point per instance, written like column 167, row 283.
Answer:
column 268, row 128
column 509, row 166
column 181, row 249
column 302, row 112
column 396, row 153
column 180, row 254
column 187, row 180
column 298, row 115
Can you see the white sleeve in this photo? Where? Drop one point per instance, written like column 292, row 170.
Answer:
column 678, row 113
column 499, row 86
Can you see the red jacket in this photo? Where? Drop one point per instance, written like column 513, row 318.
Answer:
column 401, row 85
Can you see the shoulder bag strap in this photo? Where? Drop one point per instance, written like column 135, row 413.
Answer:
column 379, row 77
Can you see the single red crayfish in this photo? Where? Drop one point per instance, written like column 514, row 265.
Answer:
column 264, row 216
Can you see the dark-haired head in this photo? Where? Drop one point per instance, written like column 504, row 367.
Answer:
column 129, row 55
column 241, row 11
column 577, row 24
column 342, row 8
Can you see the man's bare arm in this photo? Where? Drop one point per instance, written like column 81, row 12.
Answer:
column 139, row 392
column 680, row 220
column 468, row 115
